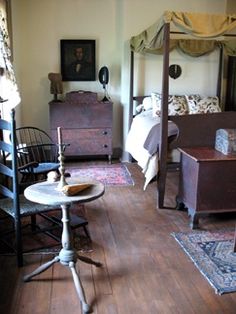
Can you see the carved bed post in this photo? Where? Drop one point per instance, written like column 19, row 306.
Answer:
column 161, row 180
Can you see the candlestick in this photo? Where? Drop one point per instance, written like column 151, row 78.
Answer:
column 61, row 158
column 59, row 135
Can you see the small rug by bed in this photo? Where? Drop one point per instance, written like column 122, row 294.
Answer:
column 116, row 174
column 212, row 253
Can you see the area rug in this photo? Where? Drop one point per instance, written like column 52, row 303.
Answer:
column 116, row 174
column 212, row 253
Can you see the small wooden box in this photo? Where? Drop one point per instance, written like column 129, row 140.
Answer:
column 226, row 141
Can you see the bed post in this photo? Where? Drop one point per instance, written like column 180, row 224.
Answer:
column 220, row 72
column 131, row 87
column 131, row 94
column 161, row 180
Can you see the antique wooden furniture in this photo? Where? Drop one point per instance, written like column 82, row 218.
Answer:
column 49, row 194
column 234, row 244
column 37, row 153
column 14, row 205
column 86, row 124
column 207, row 182
column 155, row 39
column 231, row 84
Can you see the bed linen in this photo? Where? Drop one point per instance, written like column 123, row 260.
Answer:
column 142, row 142
column 144, row 136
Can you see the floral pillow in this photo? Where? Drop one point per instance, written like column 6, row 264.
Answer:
column 198, row 104
column 177, row 105
column 156, row 104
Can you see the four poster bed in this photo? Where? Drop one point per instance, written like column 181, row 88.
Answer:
column 192, row 129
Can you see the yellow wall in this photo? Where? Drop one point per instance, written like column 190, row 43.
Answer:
column 231, row 6
column 38, row 27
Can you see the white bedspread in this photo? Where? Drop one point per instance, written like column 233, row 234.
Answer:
column 140, row 128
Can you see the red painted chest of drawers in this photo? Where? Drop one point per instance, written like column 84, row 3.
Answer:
column 86, row 124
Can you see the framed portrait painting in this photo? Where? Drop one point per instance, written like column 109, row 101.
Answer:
column 78, row 60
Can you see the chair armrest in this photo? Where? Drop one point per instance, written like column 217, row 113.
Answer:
column 64, row 147
column 32, row 164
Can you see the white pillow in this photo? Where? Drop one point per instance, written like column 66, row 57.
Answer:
column 139, row 108
column 202, row 104
column 147, row 103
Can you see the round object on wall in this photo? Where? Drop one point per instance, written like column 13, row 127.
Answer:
column 175, row 71
column 103, row 76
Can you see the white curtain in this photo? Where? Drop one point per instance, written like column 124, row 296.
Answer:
column 8, row 88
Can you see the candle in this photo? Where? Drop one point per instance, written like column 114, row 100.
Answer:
column 59, row 135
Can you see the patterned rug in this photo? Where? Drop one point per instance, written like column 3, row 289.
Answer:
column 212, row 253
column 116, row 174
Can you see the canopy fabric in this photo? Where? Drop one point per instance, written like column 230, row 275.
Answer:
column 199, row 25
column 197, row 48
column 230, row 47
column 194, row 48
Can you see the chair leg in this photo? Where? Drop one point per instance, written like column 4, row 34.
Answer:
column 234, row 244
column 87, row 232
column 33, row 222
column 18, row 239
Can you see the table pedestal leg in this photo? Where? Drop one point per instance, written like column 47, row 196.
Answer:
column 67, row 257
column 79, row 288
column 41, row 269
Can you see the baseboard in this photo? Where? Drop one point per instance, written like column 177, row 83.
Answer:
column 116, row 154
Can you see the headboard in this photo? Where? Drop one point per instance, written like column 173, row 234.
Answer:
column 200, row 129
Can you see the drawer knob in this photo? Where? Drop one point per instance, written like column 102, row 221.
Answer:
column 105, row 145
column 104, row 132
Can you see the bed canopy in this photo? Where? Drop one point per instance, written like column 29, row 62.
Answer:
column 198, row 25
column 207, row 32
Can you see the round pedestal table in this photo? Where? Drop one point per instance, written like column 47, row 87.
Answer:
column 49, row 194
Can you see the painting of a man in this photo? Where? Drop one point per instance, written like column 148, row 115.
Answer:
column 80, row 67
column 78, row 60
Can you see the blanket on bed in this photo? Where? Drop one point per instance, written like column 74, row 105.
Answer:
column 143, row 141
column 153, row 138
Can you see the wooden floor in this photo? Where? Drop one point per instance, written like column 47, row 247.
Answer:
column 144, row 269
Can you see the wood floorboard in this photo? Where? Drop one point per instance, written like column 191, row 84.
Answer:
column 144, row 269
column 36, row 289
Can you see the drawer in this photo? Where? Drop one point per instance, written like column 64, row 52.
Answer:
column 86, row 141
column 81, row 115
